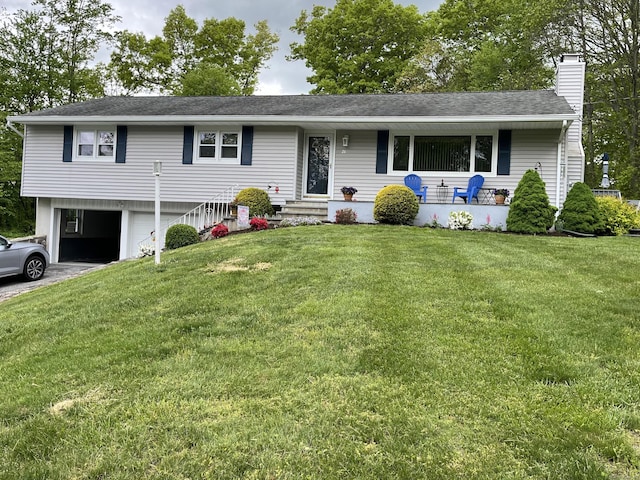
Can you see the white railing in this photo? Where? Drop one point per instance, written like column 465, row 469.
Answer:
column 205, row 215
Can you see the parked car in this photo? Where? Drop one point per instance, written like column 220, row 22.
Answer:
column 22, row 258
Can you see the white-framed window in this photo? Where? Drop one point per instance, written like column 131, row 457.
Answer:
column 95, row 143
column 217, row 145
column 443, row 154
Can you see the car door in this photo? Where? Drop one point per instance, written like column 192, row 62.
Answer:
column 9, row 259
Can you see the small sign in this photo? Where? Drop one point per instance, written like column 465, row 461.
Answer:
column 243, row 216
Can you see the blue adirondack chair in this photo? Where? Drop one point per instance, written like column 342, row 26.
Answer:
column 414, row 182
column 473, row 187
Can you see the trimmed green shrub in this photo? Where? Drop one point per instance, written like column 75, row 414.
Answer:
column 180, row 236
column 256, row 199
column 618, row 217
column 346, row 216
column 395, row 204
column 580, row 212
column 530, row 210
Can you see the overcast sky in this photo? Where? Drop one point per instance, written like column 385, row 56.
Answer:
column 282, row 77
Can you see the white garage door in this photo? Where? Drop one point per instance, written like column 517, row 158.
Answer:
column 141, row 226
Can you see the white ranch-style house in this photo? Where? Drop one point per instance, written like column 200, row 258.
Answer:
column 90, row 164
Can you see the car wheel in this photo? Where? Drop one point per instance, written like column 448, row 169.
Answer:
column 34, row 268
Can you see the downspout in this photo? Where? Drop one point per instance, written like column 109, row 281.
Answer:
column 563, row 132
column 14, row 129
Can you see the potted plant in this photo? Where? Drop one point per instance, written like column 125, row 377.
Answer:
column 500, row 194
column 348, row 192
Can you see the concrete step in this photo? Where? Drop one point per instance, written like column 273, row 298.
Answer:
column 302, row 208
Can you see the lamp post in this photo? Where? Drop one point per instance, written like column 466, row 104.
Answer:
column 157, row 171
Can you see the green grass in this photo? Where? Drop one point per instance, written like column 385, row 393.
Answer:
column 332, row 352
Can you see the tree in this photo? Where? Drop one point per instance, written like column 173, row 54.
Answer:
column 611, row 39
column 489, row 45
column 45, row 57
column 215, row 59
column 78, row 28
column 359, row 46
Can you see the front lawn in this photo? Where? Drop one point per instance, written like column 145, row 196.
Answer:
column 332, row 352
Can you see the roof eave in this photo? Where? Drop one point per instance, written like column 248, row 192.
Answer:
column 281, row 120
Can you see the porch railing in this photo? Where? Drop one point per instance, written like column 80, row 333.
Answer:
column 204, row 215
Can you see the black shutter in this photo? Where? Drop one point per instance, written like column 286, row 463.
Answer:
column 504, row 152
column 187, row 145
column 382, row 152
column 121, row 143
column 247, row 145
column 67, row 148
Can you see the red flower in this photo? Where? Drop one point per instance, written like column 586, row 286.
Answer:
column 258, row 223
column 219, row 231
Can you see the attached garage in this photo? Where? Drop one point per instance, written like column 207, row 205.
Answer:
column 89, row 236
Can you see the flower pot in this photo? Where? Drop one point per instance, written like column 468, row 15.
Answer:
column 499, row 199
column 347, row 197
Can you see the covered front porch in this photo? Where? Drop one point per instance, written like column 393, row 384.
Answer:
column 484, row 215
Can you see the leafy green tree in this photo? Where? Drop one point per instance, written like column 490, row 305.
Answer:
column 610, row 36
column 489, row 45
column 79, row 28
column 218, row 58
column 358, row 46
column 45, row 56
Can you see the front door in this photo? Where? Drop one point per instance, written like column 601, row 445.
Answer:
column 319, row 161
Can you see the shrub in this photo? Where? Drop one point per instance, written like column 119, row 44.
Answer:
column 530, row 210
column 460, row 221
column 346, row 216
column 219, row 231
column 299, row 221
column 257, row 200
column 180, row 236
column 395, row 204
column 618, row 217
column 580, row 212
column 258, row 223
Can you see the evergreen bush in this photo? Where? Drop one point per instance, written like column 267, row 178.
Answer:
column 530, row 210
column 180, row 236
column 395, row 204
column 618, row 217
column 256, row 199
column 580, row 212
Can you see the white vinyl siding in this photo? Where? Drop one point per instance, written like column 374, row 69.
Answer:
column 355, row 165
column 45, row 175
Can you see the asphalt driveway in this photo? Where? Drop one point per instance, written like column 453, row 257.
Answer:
column 12, row 286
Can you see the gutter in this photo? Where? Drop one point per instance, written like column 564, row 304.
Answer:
column 11, row 127
column 563, row 132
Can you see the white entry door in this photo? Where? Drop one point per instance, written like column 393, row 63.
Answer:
column 318, row 165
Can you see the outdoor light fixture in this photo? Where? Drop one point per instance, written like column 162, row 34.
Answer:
column 157, row 168
column 345, row 141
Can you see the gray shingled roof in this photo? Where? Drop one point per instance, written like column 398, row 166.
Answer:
column 461, row 104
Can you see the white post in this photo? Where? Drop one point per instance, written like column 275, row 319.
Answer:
column 157, row 170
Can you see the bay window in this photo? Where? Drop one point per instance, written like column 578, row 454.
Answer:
column 443, row 153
